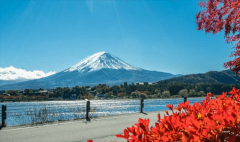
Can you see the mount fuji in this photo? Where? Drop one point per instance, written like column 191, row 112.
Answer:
column 100, row 68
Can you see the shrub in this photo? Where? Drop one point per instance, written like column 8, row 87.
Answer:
column 143, row 95
column 166, row 94
column 192, row 93
column 159, row 95
column 183, row 92
column 201, row 94
column 134, row 95
column 211, row 120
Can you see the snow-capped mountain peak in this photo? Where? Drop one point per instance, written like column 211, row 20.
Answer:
column 100, row 68
column 99, row 61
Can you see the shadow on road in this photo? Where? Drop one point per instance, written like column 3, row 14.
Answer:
column 144, row 113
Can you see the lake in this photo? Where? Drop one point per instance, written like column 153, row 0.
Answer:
column 19, row 113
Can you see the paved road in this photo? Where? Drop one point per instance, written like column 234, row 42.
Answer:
column 101, row 129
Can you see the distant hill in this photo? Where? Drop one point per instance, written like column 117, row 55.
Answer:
column 225, row 76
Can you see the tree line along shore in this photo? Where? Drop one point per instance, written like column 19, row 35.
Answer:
column 124, row 91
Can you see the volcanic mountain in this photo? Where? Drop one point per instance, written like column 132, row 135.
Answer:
column 100, row 68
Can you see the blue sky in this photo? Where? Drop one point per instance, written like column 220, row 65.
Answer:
column 158, row 35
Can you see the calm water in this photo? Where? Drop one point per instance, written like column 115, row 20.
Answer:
column 31, row 112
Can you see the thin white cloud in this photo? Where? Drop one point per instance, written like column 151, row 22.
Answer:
column 11, row 73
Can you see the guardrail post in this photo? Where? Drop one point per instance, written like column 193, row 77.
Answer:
column 185, row 99
column 141, row 105
column 87, row 110
column 4, row 115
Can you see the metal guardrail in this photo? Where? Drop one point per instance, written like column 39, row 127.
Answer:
column 141, row 106
column 4, row 115
column 87, row 110
column 45, row 113
column 185, row 99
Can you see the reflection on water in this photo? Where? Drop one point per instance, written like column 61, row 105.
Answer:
column 33, row 112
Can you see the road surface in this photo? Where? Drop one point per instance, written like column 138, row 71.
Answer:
column 100, row 129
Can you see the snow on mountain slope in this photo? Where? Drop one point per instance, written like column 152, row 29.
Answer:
column 99, row 61
column 11, row 73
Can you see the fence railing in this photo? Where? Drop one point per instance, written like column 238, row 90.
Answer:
column 42, row 113
column 4, row 115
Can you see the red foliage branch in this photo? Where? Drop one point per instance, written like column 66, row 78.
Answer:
column 217, row 15
column 211, row 120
